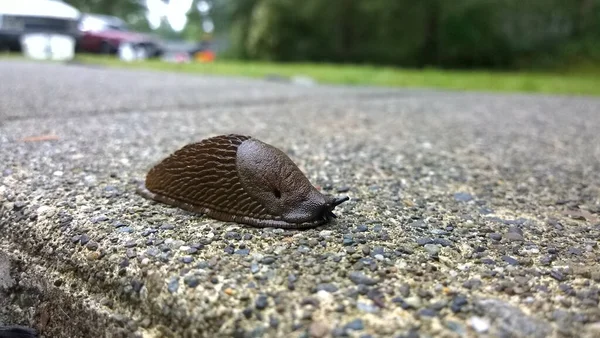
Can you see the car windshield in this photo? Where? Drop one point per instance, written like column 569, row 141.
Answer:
column 93, row 23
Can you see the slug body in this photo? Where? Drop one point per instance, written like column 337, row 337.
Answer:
column 17, row 332
column 239, row 179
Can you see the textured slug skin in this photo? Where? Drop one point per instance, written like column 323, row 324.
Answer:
column 240, row 179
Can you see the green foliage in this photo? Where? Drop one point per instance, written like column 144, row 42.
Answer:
column 414, row 33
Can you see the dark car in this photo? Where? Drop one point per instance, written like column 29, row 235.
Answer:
column 104, row 34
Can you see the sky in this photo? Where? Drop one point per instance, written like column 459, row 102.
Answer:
column 174, row 13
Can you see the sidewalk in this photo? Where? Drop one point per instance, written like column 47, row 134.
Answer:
column 470, row 214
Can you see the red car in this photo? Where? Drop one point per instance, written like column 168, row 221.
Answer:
column 104, row 34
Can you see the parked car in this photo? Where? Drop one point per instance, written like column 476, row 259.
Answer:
column 105, row 33
column 20, row 19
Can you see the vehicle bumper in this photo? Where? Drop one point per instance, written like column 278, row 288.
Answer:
column 12, row 39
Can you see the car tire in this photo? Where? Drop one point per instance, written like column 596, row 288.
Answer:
column 105, row 48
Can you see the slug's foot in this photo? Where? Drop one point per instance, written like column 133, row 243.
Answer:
column 17, row 332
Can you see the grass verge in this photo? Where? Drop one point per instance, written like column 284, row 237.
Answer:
column 569, row 83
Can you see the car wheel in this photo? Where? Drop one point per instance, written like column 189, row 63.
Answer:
column 105, row 48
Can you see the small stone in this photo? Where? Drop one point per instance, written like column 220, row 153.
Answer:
column 401, row 302
column 495, row 236
column 187, row 259
column 367, row 307
column 463, row 197
column 413, row 302
column 254, row 268
column 99, row 218
column 360, row 278
column 510, row 319
column 130, row 253
column 546, row 260
column 268, row 260
column 362, row 228
column 233, row 235
column 481, row 325
column 510, row 260
column 136, row 285
column 148, row 232
column 443, row 242
column 575, row 251
column 343, row 189
column 92, row 246
column 327, row 287
column 366, row 250
column 456, row 327
column 432, row 249
column 173, row 285
column 153, row 252
column 130, row 244
column 325, row 234
column 488, row 261
column 458, row 302
column 347, row 241
column 94, row 255
column 559, row 276
column 84, row 239
column 125, row 229
column 426, row 312
column 514, row 237
column 191, row 281
column 261, row 302
column 318, row 329
column 355, row 325
column 339, row 332
column 247, row 312
column 118, row 224
column 310, row 301
column 424, row 240
column 472, row 284
column 167, row 227
column 404, row 290
column 418, row 224
column 242, row 252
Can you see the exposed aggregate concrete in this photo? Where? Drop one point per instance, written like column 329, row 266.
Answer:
column 470, row 215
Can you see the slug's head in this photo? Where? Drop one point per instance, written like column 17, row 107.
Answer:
column 269, row 176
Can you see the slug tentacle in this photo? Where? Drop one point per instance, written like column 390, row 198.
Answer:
column 239, row 179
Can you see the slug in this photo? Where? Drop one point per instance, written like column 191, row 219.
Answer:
column 236, row 178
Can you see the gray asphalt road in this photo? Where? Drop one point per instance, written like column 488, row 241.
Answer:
column 470, row 214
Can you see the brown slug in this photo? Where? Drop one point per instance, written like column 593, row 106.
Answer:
column 236, row 178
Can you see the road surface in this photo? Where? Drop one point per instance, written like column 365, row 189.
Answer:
column 471, row 214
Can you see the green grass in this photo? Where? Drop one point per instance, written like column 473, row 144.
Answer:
column 572, row 83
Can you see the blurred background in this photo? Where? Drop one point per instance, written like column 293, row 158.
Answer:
column 504, row 34
column 557, row 36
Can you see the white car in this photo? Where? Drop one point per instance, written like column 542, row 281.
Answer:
column 40, row 28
